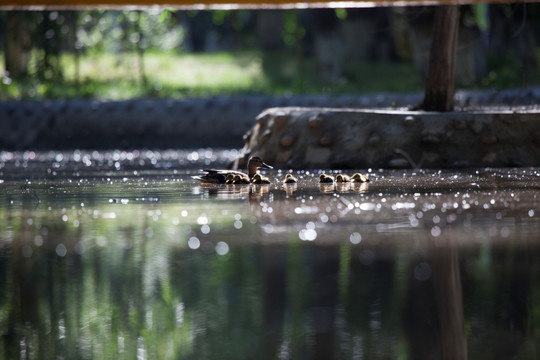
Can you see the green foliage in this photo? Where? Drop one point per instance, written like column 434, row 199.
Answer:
column 113, row 31
column 170, row 74
column 341, row 14
column 507, row 71
column 293, row 30
column 481, row 14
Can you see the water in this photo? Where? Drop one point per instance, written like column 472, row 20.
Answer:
column 121, row 255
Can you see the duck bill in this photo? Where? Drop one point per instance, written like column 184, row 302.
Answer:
column 266, row 166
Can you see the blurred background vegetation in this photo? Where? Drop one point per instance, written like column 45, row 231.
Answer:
column 116, row 54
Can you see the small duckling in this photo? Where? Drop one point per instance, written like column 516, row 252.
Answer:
column 343, row 178
column 238, row 179
column 229, row 179
column 324, row 178
column 290, row 179
column 361, row 178
column 259, row 179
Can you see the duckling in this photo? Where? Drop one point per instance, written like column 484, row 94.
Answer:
column 343, row 178
column 241, row 179
column 229, row 179
column 259, row 179
column 290, row 179
column 361, row 178
column 324, row 178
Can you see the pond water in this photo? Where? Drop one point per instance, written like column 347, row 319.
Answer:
column 122, row 255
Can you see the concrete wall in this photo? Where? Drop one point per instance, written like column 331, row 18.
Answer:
column 353, row 138
column 219, row 121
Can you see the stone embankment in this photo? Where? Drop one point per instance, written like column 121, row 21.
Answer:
column 489, row 128
column 166, row 123
column 354, row 138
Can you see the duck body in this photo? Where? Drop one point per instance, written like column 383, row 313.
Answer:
column 213, row 176
column 360, row 178
column 219, row 176
column 290, row 179
column 259, row 179
column 343, row 178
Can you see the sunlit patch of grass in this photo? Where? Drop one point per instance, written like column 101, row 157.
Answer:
column 179, row 75
column 126, row 75
column 220, row 71
column 165, row 74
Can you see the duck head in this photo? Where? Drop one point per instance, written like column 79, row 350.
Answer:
column 255, row 163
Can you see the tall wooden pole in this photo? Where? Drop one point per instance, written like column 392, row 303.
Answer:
column 439, row 95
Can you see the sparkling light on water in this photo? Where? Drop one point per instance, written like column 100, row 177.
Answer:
column 355, row 238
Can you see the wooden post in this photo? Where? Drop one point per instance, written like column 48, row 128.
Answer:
column 439, row 95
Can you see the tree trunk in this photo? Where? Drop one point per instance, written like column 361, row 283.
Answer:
column 439, row 95
column 17, row 44
column 270, row 28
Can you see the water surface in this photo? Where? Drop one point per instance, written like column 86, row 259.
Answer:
column 118, row 255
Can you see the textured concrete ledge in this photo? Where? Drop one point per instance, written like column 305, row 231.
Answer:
column 295, row 137
column 218, row 121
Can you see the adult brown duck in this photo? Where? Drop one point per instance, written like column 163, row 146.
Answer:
column 220, row 176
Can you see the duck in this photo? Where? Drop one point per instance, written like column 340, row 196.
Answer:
column 360, row 178
column 343, row 178
column 213, row 176
column 259, row 179
column 290, row 179
column 325, row 178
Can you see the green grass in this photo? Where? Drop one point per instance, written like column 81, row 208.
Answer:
column 173, row 75
column 118, row 76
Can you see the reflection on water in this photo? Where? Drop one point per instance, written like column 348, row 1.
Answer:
column 414, row 265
